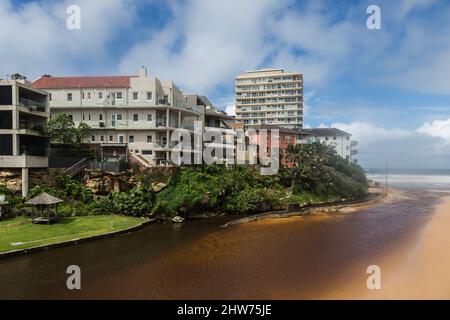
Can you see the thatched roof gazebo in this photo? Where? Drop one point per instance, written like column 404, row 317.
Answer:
column 45, row 200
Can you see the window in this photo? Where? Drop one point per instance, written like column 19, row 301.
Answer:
column 70, row 116
column 135, row 96
column 100, row 117
column 119, row 117
column 89, row 95
column 119, row 96
column 149, row 139
column 82, row 95
column 92, row 138
column 50, row 97
column 83, row 117
column 135, row 117
column 110, row 138
column 131, row 139
column 89, row 117
column 149, row 118
column 69, row 97
column 147, row 152
column 149, row 95
column 102, row 138
column 100, row 95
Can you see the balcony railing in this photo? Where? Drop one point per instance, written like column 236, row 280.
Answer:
column 32, row 105
column 27, row 125
column 33, row 151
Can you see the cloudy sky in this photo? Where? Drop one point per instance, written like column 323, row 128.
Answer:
column 390, row 88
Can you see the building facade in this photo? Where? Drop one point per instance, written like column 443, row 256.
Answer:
column 269, row 96
column 133, row 113
column 24, row 141
column 338, row 139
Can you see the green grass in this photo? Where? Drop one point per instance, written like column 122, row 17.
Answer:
column 20, row 233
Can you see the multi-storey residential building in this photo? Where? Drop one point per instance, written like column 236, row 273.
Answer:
column 24, row 142
column 270, row 96
column 132, row 113
column 338, row 139
column 286, row 137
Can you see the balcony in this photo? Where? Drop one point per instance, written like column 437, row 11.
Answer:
column 354, row 152
column 34, row 126
column 32, row 105
column 353, row 143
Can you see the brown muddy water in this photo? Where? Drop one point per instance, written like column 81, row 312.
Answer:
column 292, row 258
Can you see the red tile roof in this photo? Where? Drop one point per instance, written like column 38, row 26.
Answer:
column 82, row 82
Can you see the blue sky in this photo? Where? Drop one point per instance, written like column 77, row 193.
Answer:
column 390, row 88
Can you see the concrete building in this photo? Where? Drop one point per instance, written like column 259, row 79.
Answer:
column 132, row 113
column 338, row 139
column 269, row 96
column 24, row 142
column 286, row 137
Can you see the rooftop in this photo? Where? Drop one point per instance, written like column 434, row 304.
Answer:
column 48, row 82
column 326, row 132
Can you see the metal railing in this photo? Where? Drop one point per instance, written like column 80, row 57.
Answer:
column 32, row 105
column 76, row 168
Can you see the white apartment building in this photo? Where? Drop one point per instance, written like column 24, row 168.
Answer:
column 269, row 96
column 338, row 139
column 24, row 142
column 135, row 113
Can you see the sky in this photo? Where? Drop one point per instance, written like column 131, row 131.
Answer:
column 390, row 87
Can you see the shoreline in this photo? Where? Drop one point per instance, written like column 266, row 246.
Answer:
column 337, row 206
column 414, row 270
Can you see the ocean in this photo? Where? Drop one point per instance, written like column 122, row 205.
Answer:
column 427, row 179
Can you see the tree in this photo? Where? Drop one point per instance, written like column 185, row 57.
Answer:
column 309, row 164
column 61, row 129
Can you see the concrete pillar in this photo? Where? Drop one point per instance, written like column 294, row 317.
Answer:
column 15, row 151
column 168, row 118
column 15, row 120
column 168, row 145
column 15, row 95
column 25, row 182
column 179, row 120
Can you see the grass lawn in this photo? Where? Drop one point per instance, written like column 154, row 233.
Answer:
column 20, row 233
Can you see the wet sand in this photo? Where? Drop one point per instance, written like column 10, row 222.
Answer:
column 414, row 270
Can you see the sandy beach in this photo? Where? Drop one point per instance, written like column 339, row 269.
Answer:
column 414, row 270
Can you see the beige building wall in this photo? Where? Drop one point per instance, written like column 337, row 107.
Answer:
column 269, row 96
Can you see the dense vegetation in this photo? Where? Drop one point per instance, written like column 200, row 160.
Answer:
column 316, row 175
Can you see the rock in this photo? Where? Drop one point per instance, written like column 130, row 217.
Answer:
column 206, row 198
column 177, row 219
column 156, row 187
column 93, row 185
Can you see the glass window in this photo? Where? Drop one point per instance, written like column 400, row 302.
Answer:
column 100, row 95
column 135, row 96
column 149, row 95
column 131, row 139
column 119, row 95
column 135, row 117
column 149, row 139
column 92, row 138
column 149, row 118
column 69, row 97
column 119, row 117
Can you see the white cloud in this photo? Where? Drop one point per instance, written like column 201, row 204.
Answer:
column 400, row 148
column 437, row 128
column 207, row 43
column 34, row 38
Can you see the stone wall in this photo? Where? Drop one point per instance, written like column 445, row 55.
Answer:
column 12, row 178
